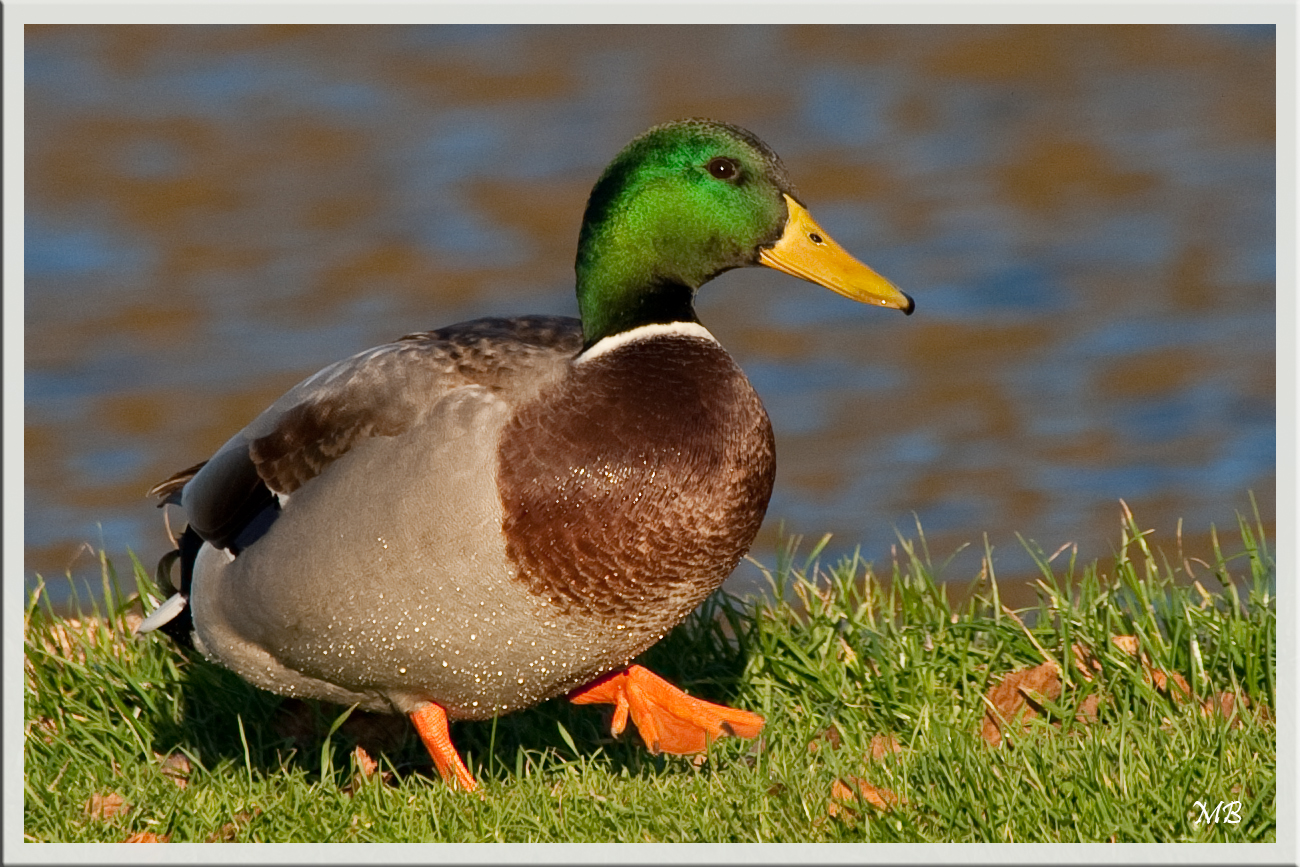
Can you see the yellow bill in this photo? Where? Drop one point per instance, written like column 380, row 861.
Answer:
column 807, row 252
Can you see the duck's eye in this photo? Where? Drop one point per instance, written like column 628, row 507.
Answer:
column 723, row 168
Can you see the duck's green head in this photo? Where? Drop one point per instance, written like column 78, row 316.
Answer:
column 686, row 201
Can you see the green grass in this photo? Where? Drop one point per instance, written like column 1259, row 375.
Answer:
column 859, row 650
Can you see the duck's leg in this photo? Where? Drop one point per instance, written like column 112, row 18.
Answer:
column 431, row 722
column 667, row 719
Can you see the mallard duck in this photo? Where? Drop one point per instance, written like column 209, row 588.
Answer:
column 468, row 521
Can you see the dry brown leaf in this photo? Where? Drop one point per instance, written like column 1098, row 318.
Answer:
column 1088, row 710
column 1129, row 644
column 1084, row 661
column 1013, row 697
column 1087, row 664
column 839, row 794
column 1011, row 700
column 148, row 837
column 843, row 794
column 830, row 735
column 883, row 744
column 367, row 765
column 1126, row 643
column 176, row 767
column 1225, row 704
column 1162, row 681
column 104, row 807
column 879, row 746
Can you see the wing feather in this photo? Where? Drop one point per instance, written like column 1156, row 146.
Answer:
column 381, row 392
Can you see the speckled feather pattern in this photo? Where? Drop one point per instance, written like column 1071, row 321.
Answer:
column 388, row 581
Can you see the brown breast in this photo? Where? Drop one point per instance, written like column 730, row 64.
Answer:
column 633, row 487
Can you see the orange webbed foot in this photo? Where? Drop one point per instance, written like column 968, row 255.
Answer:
column 431, row 722
column 667, row 719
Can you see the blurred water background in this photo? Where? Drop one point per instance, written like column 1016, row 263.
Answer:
column 1084, row 215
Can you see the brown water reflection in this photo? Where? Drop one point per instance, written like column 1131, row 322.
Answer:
column 1083, row 214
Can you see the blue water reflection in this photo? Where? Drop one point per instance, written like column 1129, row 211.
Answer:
column 1085, row 217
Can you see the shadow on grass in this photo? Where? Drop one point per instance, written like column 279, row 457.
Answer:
column 226, row 719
